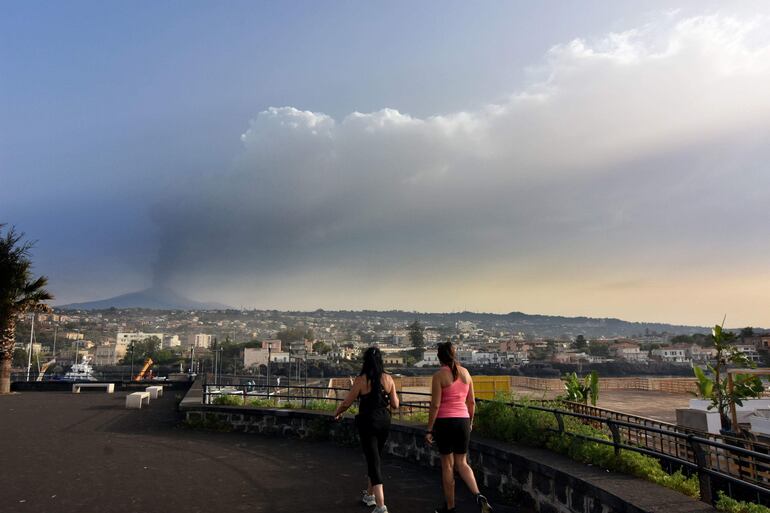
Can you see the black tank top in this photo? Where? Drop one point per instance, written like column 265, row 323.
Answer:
column 376, row 399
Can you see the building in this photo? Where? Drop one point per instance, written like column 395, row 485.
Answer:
column 109, row 354
column 139, row 336
column 392, row 359
column 172, row 341
column 429, row 359
column 257, row 356
column 71, row 335
column 749, row 351
column 672, row 354
column 273, row 344
column 343, row 353
column 700, row 354
column 628, row 351
column 199, row 341
column 301, row 346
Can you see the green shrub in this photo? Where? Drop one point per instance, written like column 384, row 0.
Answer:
column 725, row 503
column 321, row 404
column 262, row 403
column 228, row 400
column 533, row 427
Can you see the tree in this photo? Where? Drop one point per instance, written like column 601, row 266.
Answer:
column 720, row 393
column 293, row 334
column 417, row 339
column 580, row 342
column 747, row 332
column 20, row 293
column 321, row 347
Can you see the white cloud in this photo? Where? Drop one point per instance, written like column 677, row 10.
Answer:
column 582, row 149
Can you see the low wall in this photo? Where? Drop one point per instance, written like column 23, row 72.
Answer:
column 536, row 478
column 66, row 386
column 668, row 385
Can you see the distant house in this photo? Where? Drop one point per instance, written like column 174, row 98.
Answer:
column 257, row 356
column 628, row 351
column 672, row 354
column 393, row 360
column 138, row 336
column 109, row 354
column 429, row 359
column 700, row 354
column 272, row 344
column 749, row 351
column 200, row 340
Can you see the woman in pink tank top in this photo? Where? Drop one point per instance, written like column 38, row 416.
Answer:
column 450, row 422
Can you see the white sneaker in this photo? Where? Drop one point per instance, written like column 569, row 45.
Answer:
column 383, row 509
column 367, row 499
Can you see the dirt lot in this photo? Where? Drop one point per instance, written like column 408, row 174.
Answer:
column 654, row 405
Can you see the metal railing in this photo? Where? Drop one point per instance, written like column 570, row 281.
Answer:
column 739, row 467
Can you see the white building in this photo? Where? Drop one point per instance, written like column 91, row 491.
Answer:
column 343, row 353
column 139, row 336
column 703, row 354
column 627, row 351
column 429, row 359
column 749, row 351
column 172, row 341
column 672, row 354
column 109, row 354
column 256, row 356
column 199, row 340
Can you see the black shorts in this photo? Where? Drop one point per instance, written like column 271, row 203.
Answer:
column 452, row 435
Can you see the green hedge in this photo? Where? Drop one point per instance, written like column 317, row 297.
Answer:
column 497, row 420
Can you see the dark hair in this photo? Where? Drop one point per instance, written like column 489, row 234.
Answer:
column 446, row 355
column 373, row 367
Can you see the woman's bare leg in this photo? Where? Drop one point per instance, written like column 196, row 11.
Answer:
column 379, row 495
column 466, row 473
column 448, row 479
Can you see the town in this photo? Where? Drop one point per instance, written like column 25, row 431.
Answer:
column 330, row 343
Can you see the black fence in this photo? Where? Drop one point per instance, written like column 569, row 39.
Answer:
column 738, row 467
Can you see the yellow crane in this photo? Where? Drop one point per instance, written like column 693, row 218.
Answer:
column 45, row 367
column 147, row 364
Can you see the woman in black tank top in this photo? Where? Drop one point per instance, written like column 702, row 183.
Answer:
column 376, row 392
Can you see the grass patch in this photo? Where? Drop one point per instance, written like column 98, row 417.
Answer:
column 725, row 503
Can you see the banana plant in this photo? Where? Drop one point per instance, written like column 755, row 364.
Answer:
column 705, row 384
column 581, row 391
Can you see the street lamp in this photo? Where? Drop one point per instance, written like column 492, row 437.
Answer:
column 132, row 361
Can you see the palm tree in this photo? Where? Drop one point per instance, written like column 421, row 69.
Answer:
column 19, row 294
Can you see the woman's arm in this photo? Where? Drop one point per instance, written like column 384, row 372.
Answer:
column 470, row 399
column 394, row 402
column 435, row 401
column 351, row 396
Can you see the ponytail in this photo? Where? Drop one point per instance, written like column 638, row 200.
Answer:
column 446, row 355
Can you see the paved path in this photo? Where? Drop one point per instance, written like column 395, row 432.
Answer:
column 84, row 452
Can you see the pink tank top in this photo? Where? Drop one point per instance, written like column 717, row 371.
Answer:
column 453, row 400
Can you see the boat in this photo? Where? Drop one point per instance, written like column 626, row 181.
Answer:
column 82, row 371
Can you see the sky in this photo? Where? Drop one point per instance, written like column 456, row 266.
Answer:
column 558, row 157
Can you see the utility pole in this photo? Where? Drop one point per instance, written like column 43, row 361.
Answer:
column 269, row 351
column 55, row 329
column 131, row 377
column 29, row 353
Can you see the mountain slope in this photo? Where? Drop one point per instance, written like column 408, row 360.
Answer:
column 155, row 298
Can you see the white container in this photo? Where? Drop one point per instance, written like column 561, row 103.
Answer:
column 702, row 420
column 700, row 404
column 760, row 422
